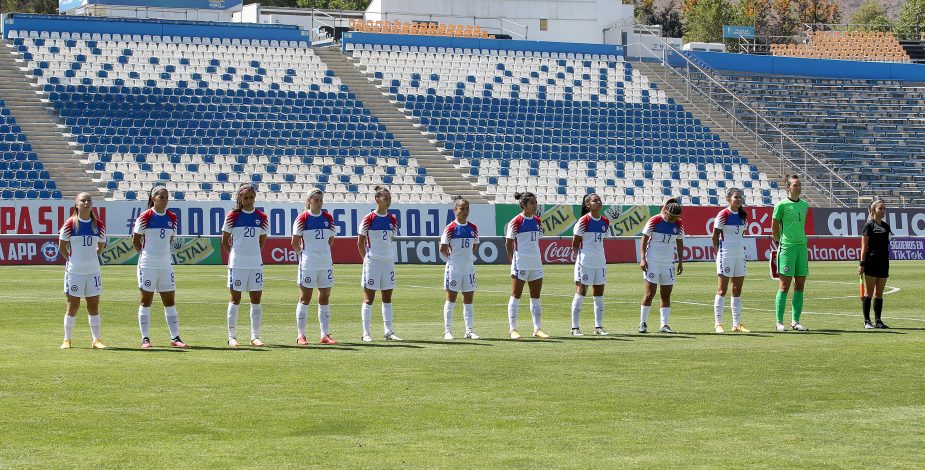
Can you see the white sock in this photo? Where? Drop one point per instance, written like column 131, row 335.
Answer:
column 94, row 325
column 387, row 317
column 324, row 319
column 173, row 321
column 665, row 313
column 69, row 323
column 232, row 320
column 644, row 313
column 301, row 317
column 469, row 316
column 513, row 304
column 598, row 311
column 256, row 320
column 448, row 315
column 576, row 309
column 736, row 305
column 367, row 313
column 536, row 311
column 718, row 305
column 144, row 320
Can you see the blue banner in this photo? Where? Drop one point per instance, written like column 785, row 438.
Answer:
column 738, row 32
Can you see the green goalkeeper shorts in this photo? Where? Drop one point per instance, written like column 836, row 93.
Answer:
column 793, row 261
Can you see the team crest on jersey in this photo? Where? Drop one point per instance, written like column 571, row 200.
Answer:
column 786, row 269
column 523, row 273
column 237, row 283
column 651, row 275
column 453, row 283
column 74, row 288
column 727, row 270
column 147, row 283
column 370, row 282
column 585, row 277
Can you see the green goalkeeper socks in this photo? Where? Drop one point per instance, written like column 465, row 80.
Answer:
column 797, row 305
column 780, row 303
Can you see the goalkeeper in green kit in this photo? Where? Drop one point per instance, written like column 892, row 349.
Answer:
column 789, row 231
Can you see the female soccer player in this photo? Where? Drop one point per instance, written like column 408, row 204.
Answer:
column 875, row 261
column 153, row 232
column 375, row 245
column 243, row 236
column 591, row 263
column 457, row 244
column 79, row 242
column 789, row 230
column 523, row 235
column 312, row 236
column 662, row 238
column 728, row 232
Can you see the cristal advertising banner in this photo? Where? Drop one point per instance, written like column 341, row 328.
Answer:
column 558, row 220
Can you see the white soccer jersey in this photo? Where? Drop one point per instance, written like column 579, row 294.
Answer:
column 663, row 236
column 379, row 230
column 462, row 239
column 526, row 233
column 157, row 230
column 732, row 238
column 592, row 232
column 315, row 231
column 245, row 228
column 84, row 242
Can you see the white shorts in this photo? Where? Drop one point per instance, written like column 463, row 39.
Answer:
column 661, row 274
column 730, row 267
column 245, row 280
column 590, row 276
column 378, row 274
column 459, row 278
column 83, row 285
column 156, row 280
column 316, row 279
column 527, row 275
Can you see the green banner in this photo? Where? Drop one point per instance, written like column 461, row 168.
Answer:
column 184, row 250
column 558, row 220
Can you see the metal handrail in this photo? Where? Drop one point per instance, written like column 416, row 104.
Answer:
column 502, row 28
column 332, row 25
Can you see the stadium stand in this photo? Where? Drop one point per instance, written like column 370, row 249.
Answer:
column 204, row 115
column 853, row 45
column 419, row 28
column 870, row 130
column 22, row 174
column 571, row 123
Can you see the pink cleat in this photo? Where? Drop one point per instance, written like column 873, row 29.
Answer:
column 146, row 343
column 327, row 339
column 302, row 341
column 178, row 343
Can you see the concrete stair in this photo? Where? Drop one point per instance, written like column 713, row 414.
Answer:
column 39, row 123
column 438, row 162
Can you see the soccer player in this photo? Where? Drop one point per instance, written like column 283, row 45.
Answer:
column 153, row 232
column 875, row 261
column 591, row 263
column 243, row 236
column 728, row 232
column 789, row 231
column 312, row 236
column 79, row 242
column 662, row 240
column 375, row 245
column 523, row 235
column 457, row 245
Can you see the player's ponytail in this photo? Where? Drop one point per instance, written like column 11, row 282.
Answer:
column 380, row 190
column 672, row 207
column 729, row 193
column 157, row 188
column 873, row 207
column 241, row 190
column 524, row 198
column 458, row 201
column 584, row 204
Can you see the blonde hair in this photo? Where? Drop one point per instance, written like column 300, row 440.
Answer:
column 76, row 216
column 312, row 194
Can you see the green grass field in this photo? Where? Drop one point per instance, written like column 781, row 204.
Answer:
column 837, row 396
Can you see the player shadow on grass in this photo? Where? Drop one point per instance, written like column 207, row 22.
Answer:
column 152, row 350
column 732, row 335
column 385, row 344
column 226, row 348
column 900, row 329
column 449, row 343
column 315, row 347
column 665, row 336
column 612, row 337
column 859, row 331
column 553, row 340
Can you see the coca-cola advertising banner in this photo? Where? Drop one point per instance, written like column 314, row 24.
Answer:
column 849, row 222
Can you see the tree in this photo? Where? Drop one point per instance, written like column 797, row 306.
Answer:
column 705, row 20
column 912, row 19
column 785, row 21
column 818, row 11
column 48, row 7
column 359, row 5
column 755, row 13
column 274, row 3
column 671, row 20
column 871, row 16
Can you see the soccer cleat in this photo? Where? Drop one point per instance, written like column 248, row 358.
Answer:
column 392, row 337
column 540, row 334
column 798, row 327
column 232, row 342
column 881, row 326
column 327, row 339
column 781, row 328
column 740, row 328
column 643, row 328
column 146, row 343
column 471, row 335
column 257, row 343
column 447, row 336
column 718, row 328
column 301, row 341
column 97, row 344
column 66, row 344
column 600, row 331
column 665, row 329
column 367, row 339
column 577, row 332
column 515, row 334
column 178, row 343
column 869, row 326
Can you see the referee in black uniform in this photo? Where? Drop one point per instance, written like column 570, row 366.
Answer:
column 875, row 261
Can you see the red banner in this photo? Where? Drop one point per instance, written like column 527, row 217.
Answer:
column 698, row 220
column 29, row 250
column 820, row 249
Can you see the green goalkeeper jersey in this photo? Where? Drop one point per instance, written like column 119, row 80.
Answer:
column 792, row 217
